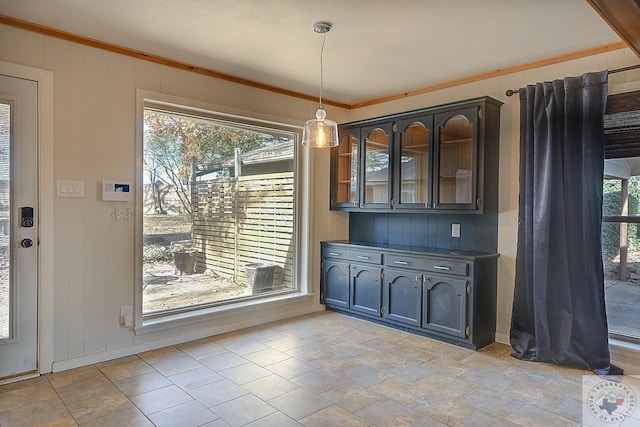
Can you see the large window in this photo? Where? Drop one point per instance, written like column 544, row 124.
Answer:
column 219, row 210
column 621, row 246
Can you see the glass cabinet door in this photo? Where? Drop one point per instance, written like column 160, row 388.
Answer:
column 346, row 190
column 376, row 162
column 456, row 159
column 413, row 153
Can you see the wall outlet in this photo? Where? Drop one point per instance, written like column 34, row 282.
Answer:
column 455, row 230
column 126, row 316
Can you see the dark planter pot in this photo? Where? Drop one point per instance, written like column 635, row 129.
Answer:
column 185, row 261
column 260, row 276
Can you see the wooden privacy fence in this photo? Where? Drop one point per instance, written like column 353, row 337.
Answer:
column 245, row 220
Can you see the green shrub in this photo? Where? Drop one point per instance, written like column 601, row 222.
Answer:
column 156, row 253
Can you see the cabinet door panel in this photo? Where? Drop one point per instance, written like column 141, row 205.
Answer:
column 344, row 180
column 402, row 296
column 412, row 162
column 366, row 292
column 376, row 166
column 335, row 280
column 456, row 159
column 445, row 305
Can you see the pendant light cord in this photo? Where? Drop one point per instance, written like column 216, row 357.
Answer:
column 324, row 37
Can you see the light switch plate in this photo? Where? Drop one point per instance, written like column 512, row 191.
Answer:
column 455, row 230
column 65, row 188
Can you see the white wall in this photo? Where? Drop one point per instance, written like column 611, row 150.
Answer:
column 94, row 139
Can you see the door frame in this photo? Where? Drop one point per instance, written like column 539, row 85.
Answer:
column 46, row 192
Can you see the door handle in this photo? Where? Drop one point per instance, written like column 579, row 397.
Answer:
column 26, row 243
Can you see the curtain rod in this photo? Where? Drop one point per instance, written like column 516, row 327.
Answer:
column 511, row 92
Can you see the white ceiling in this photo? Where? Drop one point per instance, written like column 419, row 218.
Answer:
column 376, row 48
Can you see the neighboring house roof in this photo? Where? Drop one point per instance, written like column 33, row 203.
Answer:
column 270, row 154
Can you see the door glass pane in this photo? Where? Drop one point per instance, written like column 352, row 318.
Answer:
column 455, row 162
column 414, row 164
column 347, row 170
column 5, row 247
column 377, row 167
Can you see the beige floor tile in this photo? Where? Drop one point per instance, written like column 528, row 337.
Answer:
column 160, row 399
column 443, row 409
column 291, row 368
column 187, row 414
column 269, row 387
column 93, row 408
column 276, row 419
column 299, row 403
column 41, row 412
column 352, row 397
column 71, row 376
column 201, row 349
column 389, row 413
column 267, row 356
column 87, row 389
column 131, row 417
column 195, row 378
column 216, row 393
column 482, row 419
column 142, row 383
column 160, row 354
column 242, row 410
column 19, row 397
column 175, row 365
column 222, row 361
column 128, row 369
column 318, row 381
column 333, row 416
column 245, row 373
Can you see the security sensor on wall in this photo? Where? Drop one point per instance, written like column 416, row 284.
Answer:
column 113, row 191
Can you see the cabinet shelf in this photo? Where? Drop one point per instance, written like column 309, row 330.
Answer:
column 456, row 141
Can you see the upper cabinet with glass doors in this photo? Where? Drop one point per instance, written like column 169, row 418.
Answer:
column 440, row 159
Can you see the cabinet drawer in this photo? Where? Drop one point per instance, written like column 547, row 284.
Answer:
column 365, row 256
column 459, row 268
column 404, row 261
column 335, row 253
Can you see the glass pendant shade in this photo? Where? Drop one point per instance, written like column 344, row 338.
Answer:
column 320, row 133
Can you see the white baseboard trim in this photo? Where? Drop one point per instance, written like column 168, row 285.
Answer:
column 91, row 359
column 626, row 355
column 502, row 338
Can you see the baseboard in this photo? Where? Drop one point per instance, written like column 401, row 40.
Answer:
column 502, row 338
column 626, row 355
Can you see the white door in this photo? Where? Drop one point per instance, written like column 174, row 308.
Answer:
column 18, row 227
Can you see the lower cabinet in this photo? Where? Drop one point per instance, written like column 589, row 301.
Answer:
column 335, row 276
column 447, row 297
column 402, row 295
column 445, row 305
column 366, row 295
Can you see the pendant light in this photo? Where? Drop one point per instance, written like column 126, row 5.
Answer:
column 320, row 132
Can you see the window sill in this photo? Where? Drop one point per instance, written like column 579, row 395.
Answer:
column 196, row 316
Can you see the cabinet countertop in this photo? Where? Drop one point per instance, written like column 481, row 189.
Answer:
column 419, row 250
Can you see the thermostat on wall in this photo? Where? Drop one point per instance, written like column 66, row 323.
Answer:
column 116, row 191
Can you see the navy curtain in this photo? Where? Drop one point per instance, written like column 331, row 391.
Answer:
column 558, row 307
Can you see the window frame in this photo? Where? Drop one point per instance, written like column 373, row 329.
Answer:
column 301, row 271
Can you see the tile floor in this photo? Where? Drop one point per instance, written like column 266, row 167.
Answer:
column 325, row 369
